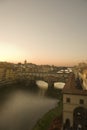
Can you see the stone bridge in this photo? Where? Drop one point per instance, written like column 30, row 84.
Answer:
column 50, row 78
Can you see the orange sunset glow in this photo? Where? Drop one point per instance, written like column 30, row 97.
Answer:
column 43, row 32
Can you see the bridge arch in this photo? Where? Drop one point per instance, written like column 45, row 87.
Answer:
column 59, row 85
column 42, row 84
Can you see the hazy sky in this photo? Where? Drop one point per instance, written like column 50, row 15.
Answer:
column 43, row 31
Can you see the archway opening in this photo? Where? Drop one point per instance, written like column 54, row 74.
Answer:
column 80, row 118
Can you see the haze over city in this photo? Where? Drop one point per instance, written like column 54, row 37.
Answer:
column 43, row 31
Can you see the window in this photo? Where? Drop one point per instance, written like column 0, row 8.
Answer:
column 68, row 100
column 81, row 101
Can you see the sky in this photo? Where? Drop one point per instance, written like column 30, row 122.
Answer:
column 43, row 31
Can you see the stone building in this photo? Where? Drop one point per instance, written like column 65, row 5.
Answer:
column 74, row 105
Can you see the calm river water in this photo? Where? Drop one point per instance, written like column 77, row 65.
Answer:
column 20, row 108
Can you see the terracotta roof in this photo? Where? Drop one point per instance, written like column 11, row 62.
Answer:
column 72, row 87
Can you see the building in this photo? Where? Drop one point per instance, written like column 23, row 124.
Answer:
column 74, row 105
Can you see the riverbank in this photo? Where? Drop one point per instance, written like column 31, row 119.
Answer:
column 45, row 122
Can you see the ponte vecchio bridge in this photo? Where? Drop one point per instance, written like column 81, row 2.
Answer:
column 50, row 78
column 10, row 76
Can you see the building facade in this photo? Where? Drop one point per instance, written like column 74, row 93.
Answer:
column 74, row 105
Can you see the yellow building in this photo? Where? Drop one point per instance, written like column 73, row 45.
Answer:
column 2, row 73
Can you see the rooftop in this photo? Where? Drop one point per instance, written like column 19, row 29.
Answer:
column 73, row 86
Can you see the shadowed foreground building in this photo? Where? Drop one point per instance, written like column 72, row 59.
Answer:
column 74, row 105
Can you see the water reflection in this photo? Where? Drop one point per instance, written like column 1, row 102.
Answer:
column 22, row 109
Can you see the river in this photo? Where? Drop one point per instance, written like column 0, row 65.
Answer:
column 20, row 108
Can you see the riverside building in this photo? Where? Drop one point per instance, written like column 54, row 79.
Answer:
column 74, row 104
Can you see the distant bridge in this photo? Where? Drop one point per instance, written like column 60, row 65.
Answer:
column 50, row 78
column 42, row 74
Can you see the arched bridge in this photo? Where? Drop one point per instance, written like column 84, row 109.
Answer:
column 9, row 77
column 50, row 78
